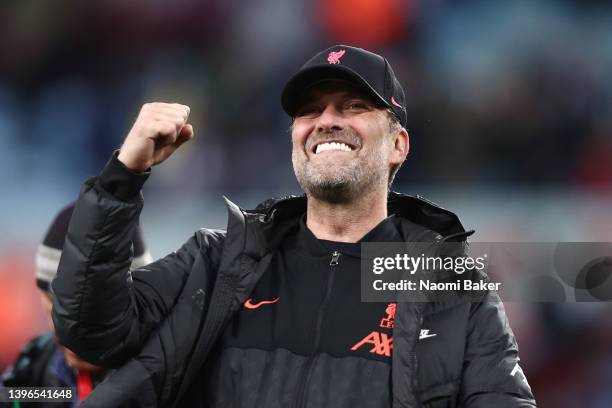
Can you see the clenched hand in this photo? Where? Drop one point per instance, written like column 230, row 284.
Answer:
column 158, row 131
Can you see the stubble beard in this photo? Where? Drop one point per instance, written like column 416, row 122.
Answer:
column 341, row 184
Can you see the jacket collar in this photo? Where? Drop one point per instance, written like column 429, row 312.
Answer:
column 385, row 231
column 270, row 222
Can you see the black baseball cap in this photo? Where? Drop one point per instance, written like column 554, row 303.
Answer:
column 370, row 72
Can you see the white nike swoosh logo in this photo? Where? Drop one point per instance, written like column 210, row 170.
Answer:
column 425, row 334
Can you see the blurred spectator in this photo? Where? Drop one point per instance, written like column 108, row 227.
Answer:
column 43, row 362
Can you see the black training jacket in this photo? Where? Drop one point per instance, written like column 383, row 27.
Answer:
column 157, row 325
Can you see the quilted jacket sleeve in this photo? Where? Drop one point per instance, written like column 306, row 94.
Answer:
column 102, row 311
column 492, row 376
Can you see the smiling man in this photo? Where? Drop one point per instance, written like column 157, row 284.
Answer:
column 268, row 313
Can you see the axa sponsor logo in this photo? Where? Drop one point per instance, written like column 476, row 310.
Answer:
column 380, row 342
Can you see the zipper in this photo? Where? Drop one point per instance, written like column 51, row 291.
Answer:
column 300, row 396
column 334, row 259
column 415, row 363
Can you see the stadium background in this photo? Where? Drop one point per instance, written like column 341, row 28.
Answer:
column 510, row 117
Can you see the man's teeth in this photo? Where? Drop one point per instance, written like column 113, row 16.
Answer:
column 332, row 146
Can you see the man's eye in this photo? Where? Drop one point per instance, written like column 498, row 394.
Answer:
column 307, row 111
column 357, row 105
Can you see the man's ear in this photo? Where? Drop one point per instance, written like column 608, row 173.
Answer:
column 401, row 146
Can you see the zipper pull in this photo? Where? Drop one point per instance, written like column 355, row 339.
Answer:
column 334, row 259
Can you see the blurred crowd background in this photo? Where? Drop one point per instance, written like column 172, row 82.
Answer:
column 510, row 117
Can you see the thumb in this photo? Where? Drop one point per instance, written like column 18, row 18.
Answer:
column 185, row 134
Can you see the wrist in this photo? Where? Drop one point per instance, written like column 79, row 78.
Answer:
column 120, row 181
column 130, row 164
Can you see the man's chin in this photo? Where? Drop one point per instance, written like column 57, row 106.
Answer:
column 334, row 193
column 336, row 185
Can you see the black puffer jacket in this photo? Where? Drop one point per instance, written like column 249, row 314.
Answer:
column 158, row 324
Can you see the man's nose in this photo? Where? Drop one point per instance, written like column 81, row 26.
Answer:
column 330, row 119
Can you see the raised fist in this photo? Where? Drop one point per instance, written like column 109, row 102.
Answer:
column 159, row 130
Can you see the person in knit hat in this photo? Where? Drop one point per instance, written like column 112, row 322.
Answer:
column 43, row 362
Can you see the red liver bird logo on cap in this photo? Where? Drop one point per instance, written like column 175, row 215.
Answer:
column 334, row 56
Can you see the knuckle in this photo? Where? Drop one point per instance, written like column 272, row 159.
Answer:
column 167, row 128
column 181, row 107
column 155, row 128
column 175, row 118
column 144, row 116
column 147, row 129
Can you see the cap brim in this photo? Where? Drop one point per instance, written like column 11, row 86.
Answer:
column 297, row 85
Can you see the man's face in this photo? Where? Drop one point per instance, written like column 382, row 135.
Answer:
column 342, row 146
